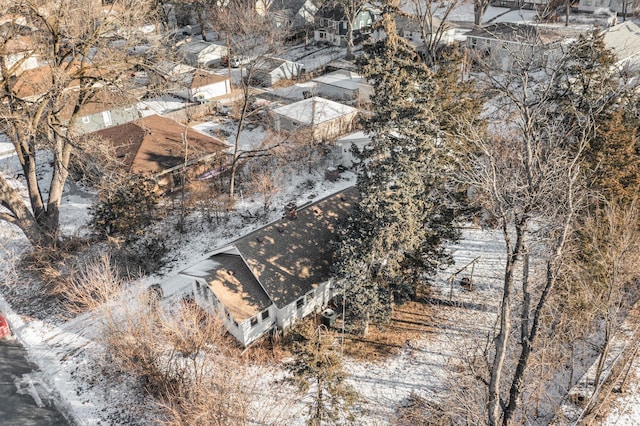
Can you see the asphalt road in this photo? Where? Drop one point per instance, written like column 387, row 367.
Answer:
column 22, row 409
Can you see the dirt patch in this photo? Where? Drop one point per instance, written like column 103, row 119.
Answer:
column 410, row 322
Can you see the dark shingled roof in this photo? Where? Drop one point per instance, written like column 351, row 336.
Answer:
column 291, row 257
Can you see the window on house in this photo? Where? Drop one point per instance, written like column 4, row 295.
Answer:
column 265, row 315
column 300, row 303
column 254, row 321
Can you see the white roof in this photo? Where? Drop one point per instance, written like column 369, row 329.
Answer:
column 355, row 137
column 341, row 78
column 314, row 110
column 624, row 40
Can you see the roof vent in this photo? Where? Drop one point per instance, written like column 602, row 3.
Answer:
column 280, row 229
column 259, row 239
column 230, row 271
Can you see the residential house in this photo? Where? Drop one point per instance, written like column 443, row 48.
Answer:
column 497, row 45
column 202, row 54
column 267, row 70
column 324, row 119
column 192, row 84
column 107, row 108
column 17, row 45
column 331, row 23
column 410, row 28
column 160, row 147
column 343, row 85
column 274, row 276
column 615, row 7
column 293, row 14
column 521, row 4
column 624, row 41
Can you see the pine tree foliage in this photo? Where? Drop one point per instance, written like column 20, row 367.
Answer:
column 317, row 368
column 408, row 205
column 125, row 209
column 593, row 93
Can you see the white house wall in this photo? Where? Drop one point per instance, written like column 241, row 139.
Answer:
column 244, row 331
column 314, row 301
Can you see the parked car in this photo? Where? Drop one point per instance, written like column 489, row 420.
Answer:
column 235, row 62
column 5, row 330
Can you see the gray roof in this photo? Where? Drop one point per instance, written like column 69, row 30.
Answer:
column 278, row 263
column 292, row 256
column 624, row 40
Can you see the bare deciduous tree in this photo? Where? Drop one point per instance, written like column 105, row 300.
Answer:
column 73, row 41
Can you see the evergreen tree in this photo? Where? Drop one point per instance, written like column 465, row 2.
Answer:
column 407, row 207
column 318, row 367
column 594, row 97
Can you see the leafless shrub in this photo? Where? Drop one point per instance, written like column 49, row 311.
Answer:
column 92, row 286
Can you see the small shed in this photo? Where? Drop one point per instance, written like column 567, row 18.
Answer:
column 343, row 85
column 268, row 70
column 345, row 144
column 201, row 54
column 325, row 118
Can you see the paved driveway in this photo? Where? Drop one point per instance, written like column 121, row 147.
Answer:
column 22, row 407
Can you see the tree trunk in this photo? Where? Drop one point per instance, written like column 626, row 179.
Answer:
column 501, row 340
column 236, row 145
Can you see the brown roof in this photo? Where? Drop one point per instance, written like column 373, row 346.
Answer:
column 233, row 284
column 203, row 78
column 154, row 144
column 38, row 81
column 291, row 257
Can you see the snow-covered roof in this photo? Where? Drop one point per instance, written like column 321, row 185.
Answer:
column 341, row 78
column 624, row 40
column 314, row 110
column 355, row 137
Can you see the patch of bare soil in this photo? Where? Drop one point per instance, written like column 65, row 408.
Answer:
column 410, row 322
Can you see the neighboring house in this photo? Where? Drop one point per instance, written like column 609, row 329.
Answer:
column 18, row 51
column 276, row 275
column 610, row 6
column 325, row 119
column 497, row 45
column 267, row 70
column 521, row 4
column 624, row 41
column 156, row 146
column 293, row 14
column 106, row 109
column 192, row 84
column 331, row 23
column 202, row 54
column 343, row 85
column 345, row 145
column 409, row 28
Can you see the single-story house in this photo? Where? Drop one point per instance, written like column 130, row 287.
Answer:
column 192, row 84
column 276, row 275
column 326, row 119
column 156, row 146
column 107, row 108
column 624, row 41
column 267, row 70
column 497, row 45
column 619, row 7
column 343, row 85
column 202, row 54
column 345, row 144
column 521, row 4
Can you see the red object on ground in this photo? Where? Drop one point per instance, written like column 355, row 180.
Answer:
column 5, row 331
